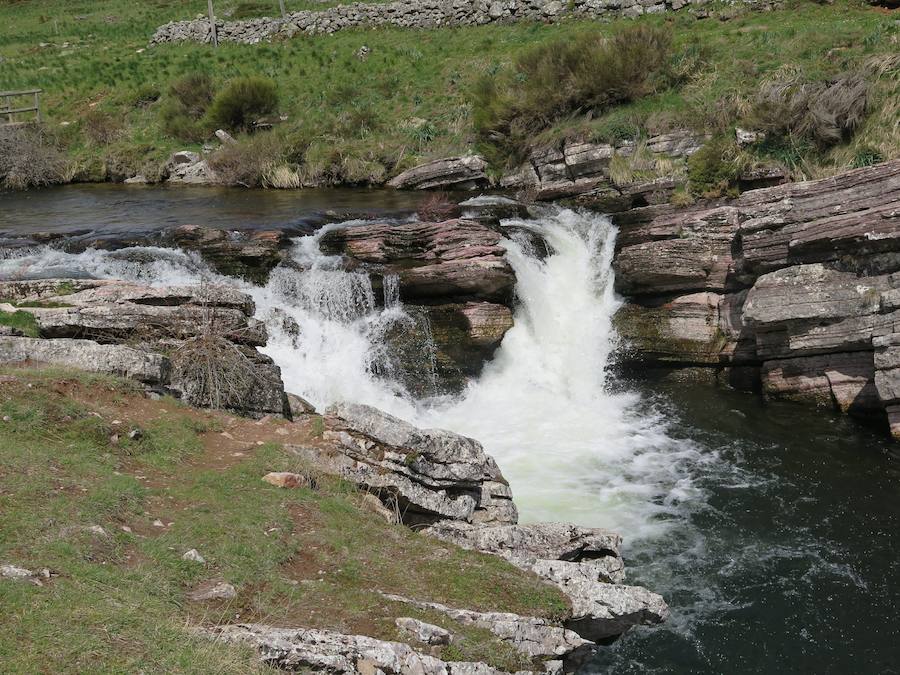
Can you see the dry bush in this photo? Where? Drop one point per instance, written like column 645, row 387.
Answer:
column 28, row 158
column 211, row 369
column 587, row 74
column 822, row 112
column 282, row 177
column 437, row 207
column 249, row 162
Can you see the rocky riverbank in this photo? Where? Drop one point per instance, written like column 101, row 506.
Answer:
column 789, row 289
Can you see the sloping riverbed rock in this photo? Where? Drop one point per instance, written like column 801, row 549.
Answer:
column 455, row 173
column 106, row 325
column 530, row 635
column 584, row 563
column 425, row 474
column 309, row 650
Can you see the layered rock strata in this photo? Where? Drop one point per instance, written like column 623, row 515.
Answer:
column 160, row 336
column 796, row 286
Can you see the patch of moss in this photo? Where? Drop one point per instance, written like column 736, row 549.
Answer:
column 22, row 321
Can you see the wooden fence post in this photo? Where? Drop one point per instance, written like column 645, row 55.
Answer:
column 37, row 107
column 212, row 24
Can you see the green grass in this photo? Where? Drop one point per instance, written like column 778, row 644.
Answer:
column 357, row 121
column 23, row 321
column 305, row 557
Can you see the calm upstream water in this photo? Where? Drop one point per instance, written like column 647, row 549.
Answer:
column 772, row 530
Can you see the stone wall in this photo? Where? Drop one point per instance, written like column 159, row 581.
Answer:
column 794, row 288
column 416, row 14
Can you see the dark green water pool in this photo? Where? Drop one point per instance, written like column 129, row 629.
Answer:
column 789, row 562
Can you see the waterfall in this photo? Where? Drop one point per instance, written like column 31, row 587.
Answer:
column 571, row 448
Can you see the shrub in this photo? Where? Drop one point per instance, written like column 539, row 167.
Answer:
column 242, row 102
column 248, row 162
column 188, row 100
column 585, row 75
column 437, row 207
column 821, row 112
column 194, row 93
column 714, row 169
column 28, row 158
column 100, row 127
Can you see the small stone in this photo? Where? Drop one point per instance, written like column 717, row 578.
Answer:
column 285, row 479
column 424, row 632
column 13, row 572
column 194, row 556
column 135, row 434
column 213, row 590
column 158, row 523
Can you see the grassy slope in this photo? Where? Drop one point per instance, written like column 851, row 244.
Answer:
column 357, row 113
column 305, row 557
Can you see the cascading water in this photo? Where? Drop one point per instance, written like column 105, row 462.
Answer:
column 736, row 512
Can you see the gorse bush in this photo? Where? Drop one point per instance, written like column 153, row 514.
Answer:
column 242, row 102
column 587, row 74
column 714, row 170
column 183, row 112
column 823, row 112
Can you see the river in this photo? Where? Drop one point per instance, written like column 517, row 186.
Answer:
column 771, row 529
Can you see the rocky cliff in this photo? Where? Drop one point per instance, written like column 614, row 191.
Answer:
column 793, row 289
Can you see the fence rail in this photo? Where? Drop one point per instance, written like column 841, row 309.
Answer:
column 9, row 112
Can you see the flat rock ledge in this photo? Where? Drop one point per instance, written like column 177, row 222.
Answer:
column 154, row 335
column 298, row 649
column 530, row 635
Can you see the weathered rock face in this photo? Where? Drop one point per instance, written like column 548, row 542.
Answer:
column 452, row 173
column 801, row 281
column 585, row 563
column 456, row 287
column 250, row 255
column 422, row 475
column 157, row 335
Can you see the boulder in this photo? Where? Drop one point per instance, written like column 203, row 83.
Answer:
column 584, row 563
column 198, row 342
column 249, row 255
column 425, row 474
column 427, row 633
column 453, row 173
column 214, row 589
column 438, row 349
